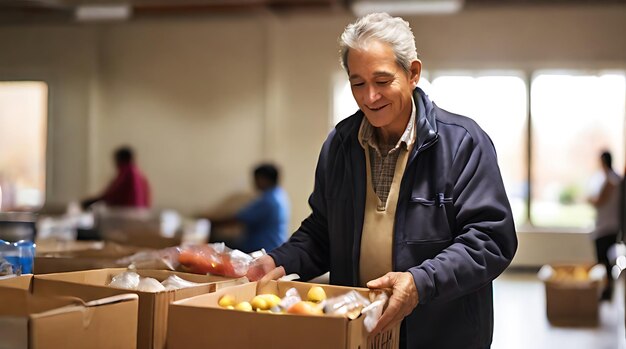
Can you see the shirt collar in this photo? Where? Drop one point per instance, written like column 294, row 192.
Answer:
column 366, row 132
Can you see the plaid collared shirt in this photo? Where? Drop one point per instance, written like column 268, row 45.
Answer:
column 383, row 157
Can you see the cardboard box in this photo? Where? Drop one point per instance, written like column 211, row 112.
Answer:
column 139, row 227
column 39, row 322
column 46, row 246
column 199, row 322
column 22, row 282
column 106, row 255
column 572, row 302
column 153, row 306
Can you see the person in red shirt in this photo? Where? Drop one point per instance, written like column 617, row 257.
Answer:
column 129, row 188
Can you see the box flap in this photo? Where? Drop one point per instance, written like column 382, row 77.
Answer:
column 108, row 324
column 17, row 302
column 22, row 282
column 153, row 306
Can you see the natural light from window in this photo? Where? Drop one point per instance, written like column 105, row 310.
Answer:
column 23, row 125
column 574, row 118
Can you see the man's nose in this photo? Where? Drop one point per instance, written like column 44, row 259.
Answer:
column 372, row 94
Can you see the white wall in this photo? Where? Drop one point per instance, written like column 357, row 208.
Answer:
column 204, row 99
column 189, row 96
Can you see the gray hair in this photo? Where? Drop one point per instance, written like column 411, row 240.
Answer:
column 382, row 27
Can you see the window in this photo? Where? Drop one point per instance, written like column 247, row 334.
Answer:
column 343, row 102
column 23, row 125
column 575, row 117
column 548, row 156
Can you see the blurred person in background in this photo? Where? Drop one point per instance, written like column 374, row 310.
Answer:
column 129, row 188
column 265, row 219
column 407, row 197
column 607, row 205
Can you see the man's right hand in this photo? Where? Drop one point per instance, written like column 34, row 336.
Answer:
column 264, row 269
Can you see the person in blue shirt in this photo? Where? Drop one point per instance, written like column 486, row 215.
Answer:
column 266, row 218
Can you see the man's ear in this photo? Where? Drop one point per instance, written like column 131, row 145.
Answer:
column 415, row 71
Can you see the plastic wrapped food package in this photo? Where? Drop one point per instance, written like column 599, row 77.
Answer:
column 128, row 280
column 374, row 311
column 216, row 259
column 349, row 304
column 150, row 285
column 174, row 282
column 166, row 258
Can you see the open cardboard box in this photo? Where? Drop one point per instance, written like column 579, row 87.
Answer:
column 36, row 322
column 199, row 322
column 570, row 301
column 106, row 256
column 153, row 306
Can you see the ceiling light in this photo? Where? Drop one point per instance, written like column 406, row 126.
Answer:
column 90, row 13
column 406, row 7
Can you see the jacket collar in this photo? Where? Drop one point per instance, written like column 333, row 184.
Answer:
column 426, row 119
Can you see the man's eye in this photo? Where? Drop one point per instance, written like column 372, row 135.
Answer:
column 383, row 82
column 356, row 84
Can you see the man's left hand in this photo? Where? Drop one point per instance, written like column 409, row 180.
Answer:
column 403, row 300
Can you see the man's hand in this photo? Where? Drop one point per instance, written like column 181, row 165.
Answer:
column 260, row 267
column 263, row 270
column 402, row 301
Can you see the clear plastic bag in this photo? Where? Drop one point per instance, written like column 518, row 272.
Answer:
column 373, row 311
column 216, row 259
column 166, row 258
column 174, row 282
column 291, row 297
column 128, row 280
column 348, row 305
column 150, row 285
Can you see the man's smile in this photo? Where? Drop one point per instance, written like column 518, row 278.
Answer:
column 378, row 108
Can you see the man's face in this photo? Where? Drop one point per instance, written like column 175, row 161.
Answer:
column 381, row 88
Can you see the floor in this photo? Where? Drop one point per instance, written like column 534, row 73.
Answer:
column 521, row 322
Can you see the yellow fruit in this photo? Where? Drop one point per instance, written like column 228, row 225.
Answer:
column 259, row 303
column 244, row 306
column 227, row 300
column 580, row 273
column 271, row 299
column 316, row 294
column 230, row 307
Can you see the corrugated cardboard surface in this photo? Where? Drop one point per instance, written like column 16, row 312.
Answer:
column 573, row 303
column 199, row 322
column 22, row 282
column 153, row 306
column 38, row 322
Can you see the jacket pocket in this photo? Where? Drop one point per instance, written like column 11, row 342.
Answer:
column 426, row 219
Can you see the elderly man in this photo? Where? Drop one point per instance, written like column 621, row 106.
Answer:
column 407, row 196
